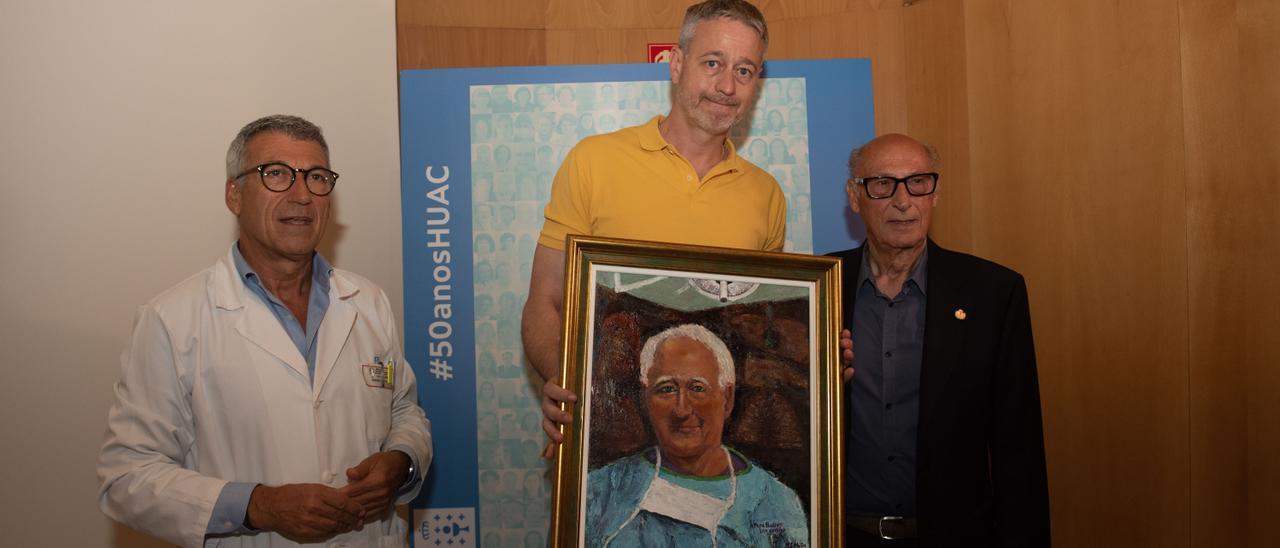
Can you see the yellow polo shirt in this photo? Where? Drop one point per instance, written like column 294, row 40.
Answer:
column 632, row 184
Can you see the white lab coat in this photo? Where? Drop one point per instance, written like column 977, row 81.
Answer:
column 212, row 390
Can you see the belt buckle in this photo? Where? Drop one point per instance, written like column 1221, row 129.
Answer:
column 880, row 526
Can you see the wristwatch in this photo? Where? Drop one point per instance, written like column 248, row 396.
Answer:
column 412, row 475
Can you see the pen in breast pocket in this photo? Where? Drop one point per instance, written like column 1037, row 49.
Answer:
column 391, row 369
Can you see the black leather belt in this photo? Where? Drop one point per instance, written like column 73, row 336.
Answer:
column 885, row 527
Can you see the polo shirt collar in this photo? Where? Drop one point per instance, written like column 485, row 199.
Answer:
column 651, row 140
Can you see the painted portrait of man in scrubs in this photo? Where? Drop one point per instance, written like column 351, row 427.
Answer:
column 690, row 489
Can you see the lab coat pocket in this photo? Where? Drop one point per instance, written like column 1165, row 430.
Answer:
column 376, row 403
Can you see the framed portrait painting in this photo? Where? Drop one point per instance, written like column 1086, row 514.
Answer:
column 709, row 398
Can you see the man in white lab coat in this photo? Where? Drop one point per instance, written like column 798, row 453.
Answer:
column 265, row 401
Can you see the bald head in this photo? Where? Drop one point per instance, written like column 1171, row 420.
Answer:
column 890, row 146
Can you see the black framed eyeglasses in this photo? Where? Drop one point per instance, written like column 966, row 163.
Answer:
column 878, row 188
column 279, row 177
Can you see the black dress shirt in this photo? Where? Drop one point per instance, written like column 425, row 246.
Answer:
column 884, row 395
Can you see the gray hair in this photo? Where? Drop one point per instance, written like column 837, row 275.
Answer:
column 292, row 126
column 736, row 10
column 700, row 335
column 856, row 159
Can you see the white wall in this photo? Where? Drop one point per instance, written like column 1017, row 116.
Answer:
column 114, row 120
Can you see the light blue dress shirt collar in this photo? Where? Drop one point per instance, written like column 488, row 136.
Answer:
column 303, row 337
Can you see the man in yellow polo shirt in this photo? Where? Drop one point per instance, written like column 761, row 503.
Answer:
column 634, row 183
column 676, row 178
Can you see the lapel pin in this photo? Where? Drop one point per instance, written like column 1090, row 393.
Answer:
column 960, row 315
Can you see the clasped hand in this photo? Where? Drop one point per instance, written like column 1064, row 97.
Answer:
column 312, row 512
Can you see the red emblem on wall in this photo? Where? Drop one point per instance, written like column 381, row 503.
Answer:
column 660, row 53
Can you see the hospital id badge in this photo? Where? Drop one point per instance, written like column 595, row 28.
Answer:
column 380, row 375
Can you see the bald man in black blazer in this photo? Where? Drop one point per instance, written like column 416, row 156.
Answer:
column 944, row 445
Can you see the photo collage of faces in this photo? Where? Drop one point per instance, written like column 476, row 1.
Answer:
column 776, row 138
column 519, row 136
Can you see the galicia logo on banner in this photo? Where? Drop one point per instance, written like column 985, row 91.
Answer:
column 446, row 527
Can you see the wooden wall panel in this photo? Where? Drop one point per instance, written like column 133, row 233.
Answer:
column 580, row 14
column 1075, row 135
column 937, row 109
column 492, row 14
column 585, row 46
column 780, row 10
column 611, row 14
column 1216, row 246
column 1257, row 259
column 451, row 47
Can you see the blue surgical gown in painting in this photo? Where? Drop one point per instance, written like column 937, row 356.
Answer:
column 764, row 513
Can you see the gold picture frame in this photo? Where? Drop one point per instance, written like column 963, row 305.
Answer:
column 778, row 317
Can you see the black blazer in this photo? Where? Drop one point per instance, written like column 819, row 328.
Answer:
column 980, row 471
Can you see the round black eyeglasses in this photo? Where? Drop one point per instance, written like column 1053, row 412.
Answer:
column 279, row 177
